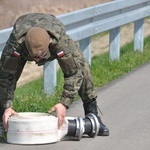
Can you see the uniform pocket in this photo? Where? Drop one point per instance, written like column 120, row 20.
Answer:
column 10, row 64
column 68, row 65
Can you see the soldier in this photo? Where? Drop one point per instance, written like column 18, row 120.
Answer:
column 42, row 37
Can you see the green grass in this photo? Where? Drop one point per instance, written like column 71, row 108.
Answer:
column 104, row 70
column 30, row 97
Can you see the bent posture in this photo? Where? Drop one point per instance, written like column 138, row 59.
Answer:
column 42, row 37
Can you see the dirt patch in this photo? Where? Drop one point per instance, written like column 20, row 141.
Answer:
column 20, row 7
column 10, row 10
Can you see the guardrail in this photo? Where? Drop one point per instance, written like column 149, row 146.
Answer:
column 84, row 23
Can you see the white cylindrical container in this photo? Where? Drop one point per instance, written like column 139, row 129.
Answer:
column 32, row 128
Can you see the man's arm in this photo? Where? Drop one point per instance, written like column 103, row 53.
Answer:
column 11, row 66
column 72, row 78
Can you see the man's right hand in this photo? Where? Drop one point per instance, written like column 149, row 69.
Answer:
column 7, row 113
column 61, row 113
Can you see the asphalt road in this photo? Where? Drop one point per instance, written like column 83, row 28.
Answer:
column 125, row 105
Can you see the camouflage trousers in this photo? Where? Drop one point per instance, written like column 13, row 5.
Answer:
column 87, row 91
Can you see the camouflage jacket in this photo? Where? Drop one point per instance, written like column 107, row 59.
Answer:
column 15, row 55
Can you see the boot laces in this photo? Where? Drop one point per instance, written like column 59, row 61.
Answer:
column 99, row 110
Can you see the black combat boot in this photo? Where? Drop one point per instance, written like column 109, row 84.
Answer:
column 91, row 107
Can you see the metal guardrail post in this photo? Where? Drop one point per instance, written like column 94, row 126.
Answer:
column 85, row 46
column 139, row 35
column 50, row 76
column 114, row 51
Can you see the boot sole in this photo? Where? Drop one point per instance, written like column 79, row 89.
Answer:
column 103, row 133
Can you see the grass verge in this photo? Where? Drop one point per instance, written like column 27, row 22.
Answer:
column 30, row 97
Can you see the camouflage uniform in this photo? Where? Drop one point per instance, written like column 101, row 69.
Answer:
column 74, row 66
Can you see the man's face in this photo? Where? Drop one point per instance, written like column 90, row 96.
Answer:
column 37, row 55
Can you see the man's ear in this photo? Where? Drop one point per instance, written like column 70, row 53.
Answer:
column 50, row 41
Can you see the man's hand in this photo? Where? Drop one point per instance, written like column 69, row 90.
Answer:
column 7, row 113
column 61, row 113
